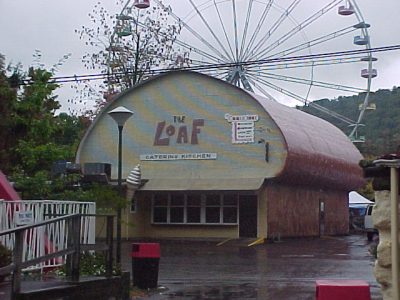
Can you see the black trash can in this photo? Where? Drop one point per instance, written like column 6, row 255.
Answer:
column 145, row 261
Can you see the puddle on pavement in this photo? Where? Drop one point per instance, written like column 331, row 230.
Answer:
column 297, row 255
column 242, row 291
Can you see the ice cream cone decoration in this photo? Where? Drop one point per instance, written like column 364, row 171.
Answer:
column 133, row 182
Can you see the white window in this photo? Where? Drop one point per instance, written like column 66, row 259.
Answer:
column 133, row 205
column 179, row 208
column 193, row 208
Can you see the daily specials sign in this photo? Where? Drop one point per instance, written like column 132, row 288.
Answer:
column 242, row 128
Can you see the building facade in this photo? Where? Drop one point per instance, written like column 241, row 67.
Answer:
column 217, row 161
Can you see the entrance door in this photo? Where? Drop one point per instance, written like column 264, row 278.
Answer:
column 248, row 216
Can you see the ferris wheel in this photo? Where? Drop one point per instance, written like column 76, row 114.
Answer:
column 293, row 51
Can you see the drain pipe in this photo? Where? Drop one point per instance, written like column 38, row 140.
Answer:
column 394, row 219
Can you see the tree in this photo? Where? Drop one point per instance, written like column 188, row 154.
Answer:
column 128, row 46
column 34, row 124
column 32, row 135
column 8, row 96
column 70, row 129
column 382, row 125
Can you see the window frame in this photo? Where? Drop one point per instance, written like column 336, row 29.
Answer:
column 203, row 209
column 133, row 207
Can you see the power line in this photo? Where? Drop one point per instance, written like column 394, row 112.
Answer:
column 118, row 75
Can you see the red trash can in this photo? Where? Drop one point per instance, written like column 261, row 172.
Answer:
column 336, row 289
column 145, row 262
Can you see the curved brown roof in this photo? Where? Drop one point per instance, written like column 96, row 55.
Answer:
column 318, row 153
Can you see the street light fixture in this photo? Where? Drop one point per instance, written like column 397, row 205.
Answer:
column 120, row 115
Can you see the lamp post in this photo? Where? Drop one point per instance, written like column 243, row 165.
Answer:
column 120, row 115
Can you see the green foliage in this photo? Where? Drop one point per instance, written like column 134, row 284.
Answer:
column 34, row 124
column 67, row 187
column 5, row 258
column 35, row 187
column 367, row 191
column 8, row 96
column 373, row 250
column 382, row 126
column 27, row 117
column 105, row 196
column 69, row 129
column 40, row 187
column 32, row 136
column 91, row 264
column 34, row 111
column 373, row 247
column 40, row 156
column 2, row 64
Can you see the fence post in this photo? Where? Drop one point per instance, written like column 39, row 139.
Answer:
column 68, row 262
column 74, row 238
column 76, row 225
column 109, row 241
column 17, row 258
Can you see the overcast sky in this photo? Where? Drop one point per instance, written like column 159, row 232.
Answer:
column 48, row 26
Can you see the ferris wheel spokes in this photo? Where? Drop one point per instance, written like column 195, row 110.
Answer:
column 246, row 28
column 314, row 42
column 262, row 52
column 188, row 46
column 260, row 88
column 277, row 47
column 235, row 30
column 260, row 23
column 285, row 14
column 211, row 31
column 326, row 85
column 193, row 32
column 221, row 22
column 303, row 100
column 306, row 63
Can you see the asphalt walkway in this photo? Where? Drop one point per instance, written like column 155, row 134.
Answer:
column 202, row 270
column 284, row 270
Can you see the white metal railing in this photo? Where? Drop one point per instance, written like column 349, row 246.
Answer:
column 50, row 238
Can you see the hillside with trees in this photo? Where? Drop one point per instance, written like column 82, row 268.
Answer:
column 382, row 126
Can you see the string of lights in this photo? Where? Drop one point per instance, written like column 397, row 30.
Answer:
column 268, row 61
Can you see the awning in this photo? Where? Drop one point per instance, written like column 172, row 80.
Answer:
column 356, row 198
column 236, row 184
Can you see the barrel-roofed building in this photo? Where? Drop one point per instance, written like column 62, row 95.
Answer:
column 217, row 161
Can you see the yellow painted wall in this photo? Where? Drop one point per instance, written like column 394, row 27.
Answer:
column 191, row 96
column 262, row 214
column 141, row 226
column 178, row 99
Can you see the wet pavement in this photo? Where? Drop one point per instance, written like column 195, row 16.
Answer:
column 284, row 270
column 197, row 270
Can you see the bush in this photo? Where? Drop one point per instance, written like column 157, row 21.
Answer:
column 373, row 247
column 91, row 264
column 5, row 258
